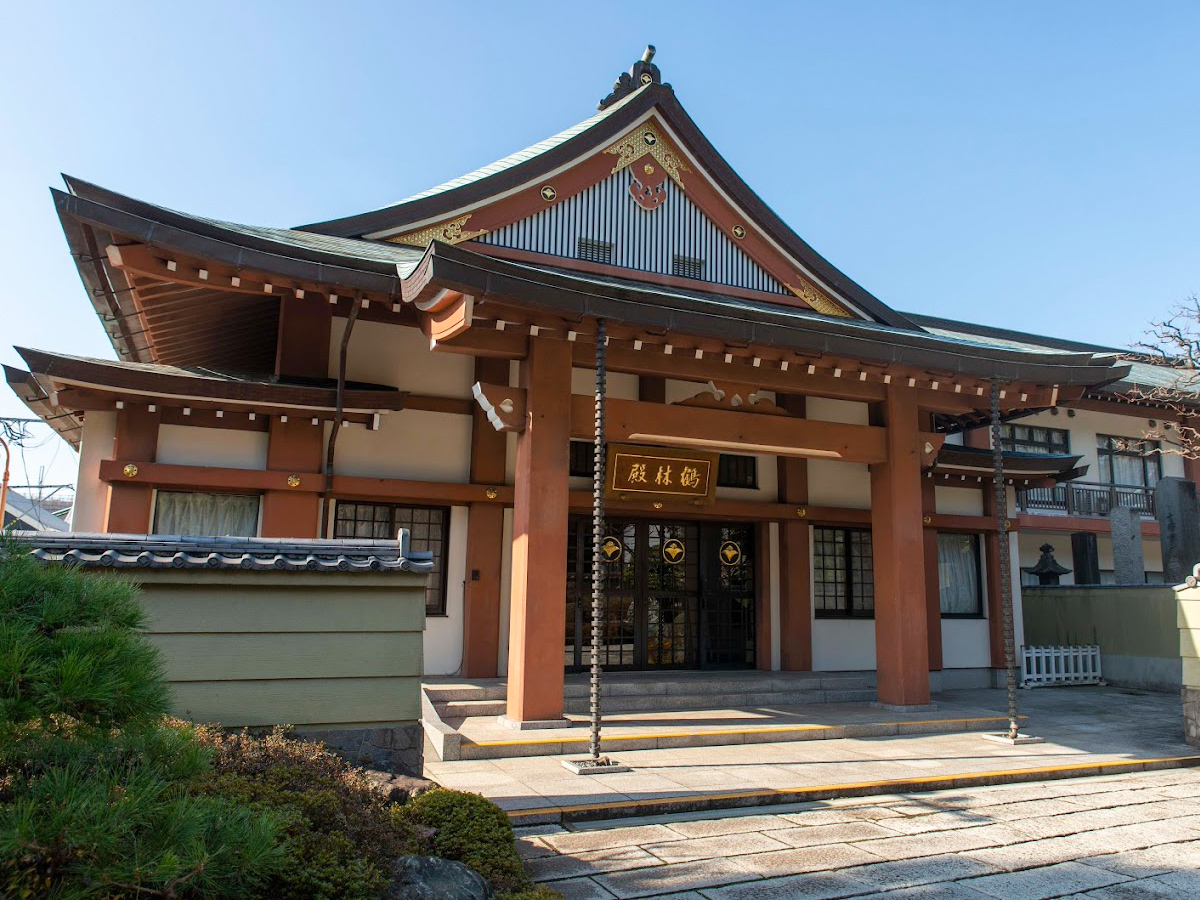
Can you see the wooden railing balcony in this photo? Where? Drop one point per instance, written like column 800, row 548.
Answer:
column 1081, row 498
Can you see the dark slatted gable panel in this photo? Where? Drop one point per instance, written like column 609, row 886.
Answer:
column 644, row 240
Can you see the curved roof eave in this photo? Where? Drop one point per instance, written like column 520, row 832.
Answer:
column 458, row 268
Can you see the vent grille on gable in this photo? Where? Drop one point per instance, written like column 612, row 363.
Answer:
column 688, row 267
column 644, row 240
column 594, row 251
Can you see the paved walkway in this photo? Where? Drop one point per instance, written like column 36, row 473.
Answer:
column 1082, row 726
column 1114, row 838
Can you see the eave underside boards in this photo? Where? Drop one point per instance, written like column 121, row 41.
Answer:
column 624, row 235
column 25, row 385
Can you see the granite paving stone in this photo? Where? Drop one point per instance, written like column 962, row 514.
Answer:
column 1042, row 883
column 1150, row 861
column 845, row 832
column 590, row 862
column 599, row 839
column 836, row 815
column 951, row 890
column 728, row 825
column 816, row 886
column 1142, row 889
column 722, row 845
column 911, row 846
column 580, row 889
column 682, row 877
column 925, row 870
column 806, row 859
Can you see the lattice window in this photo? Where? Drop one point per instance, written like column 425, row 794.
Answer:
column 1035, row 439
column 735, row 470
column 843, row 573
column 429, row 529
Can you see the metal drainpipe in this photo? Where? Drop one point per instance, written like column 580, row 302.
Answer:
column 327, row 495
column 597, row 534
column 1001, row 495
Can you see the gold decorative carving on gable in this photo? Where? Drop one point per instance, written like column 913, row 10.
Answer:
column 451, row 232
column 730, row 395
column 817, row 299
column 646, row 139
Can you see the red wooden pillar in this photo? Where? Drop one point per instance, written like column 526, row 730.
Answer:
column 933, row 592
column 901, row 636
column 485, row 534
column 130, row 504
column 537, row 622
column 296, row 447
column 795, row 593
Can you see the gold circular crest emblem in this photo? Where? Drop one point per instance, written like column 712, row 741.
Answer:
column 492, row 493
column 549, row 193
column 646, row 79
column 649, row 138
column 130, row 470
column 739, row 232
column 648, row 169
column 611, row 549
column 293, row 481
column 673, row 551
column 730, row 553
column 927, row 519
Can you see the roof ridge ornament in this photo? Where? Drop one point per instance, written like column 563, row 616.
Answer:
column 640, row 74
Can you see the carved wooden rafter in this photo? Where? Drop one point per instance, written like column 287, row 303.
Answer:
column 733, row 395
column 503, row 405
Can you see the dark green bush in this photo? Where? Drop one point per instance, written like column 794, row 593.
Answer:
column 342, row 834
column 474, row 831
column 95, row 798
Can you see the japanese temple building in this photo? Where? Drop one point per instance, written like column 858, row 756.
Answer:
column 802, row 473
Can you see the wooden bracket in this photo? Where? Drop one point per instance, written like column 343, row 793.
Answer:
column 504, row 406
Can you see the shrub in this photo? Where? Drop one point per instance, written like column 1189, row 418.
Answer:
column 94, row 791
column 342, row 833
column 70, row 648
column 474, row 831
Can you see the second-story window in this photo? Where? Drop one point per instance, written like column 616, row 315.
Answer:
column 1035, row 439
column 1128, row 461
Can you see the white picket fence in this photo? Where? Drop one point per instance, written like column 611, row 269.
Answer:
column 1044, row 666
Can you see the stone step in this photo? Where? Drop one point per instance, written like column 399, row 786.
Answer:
column 466, row 691
column 648, row 702
column 465, row 709
column 664, row 738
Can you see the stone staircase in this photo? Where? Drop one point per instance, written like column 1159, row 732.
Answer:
column 450, row 706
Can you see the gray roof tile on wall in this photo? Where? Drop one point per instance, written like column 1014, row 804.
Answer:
column 160, row 551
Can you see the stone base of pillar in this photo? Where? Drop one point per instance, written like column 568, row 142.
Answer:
column 1191, row 715
column 601, row 766
column 1013, row 741
column 531, row 724
column 903, row 707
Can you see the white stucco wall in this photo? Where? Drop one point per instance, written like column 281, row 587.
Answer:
column 411, row 443
column 1030, row 541
column 965, row 644
column 506, row 592
column 443, row 641
column 958, row 501
column 187, row 445
column 400, row 357
column 91, row 495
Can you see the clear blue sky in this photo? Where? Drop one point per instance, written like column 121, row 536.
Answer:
column 1031, row 165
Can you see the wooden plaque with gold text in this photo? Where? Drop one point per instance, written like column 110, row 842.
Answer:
column 660, row 473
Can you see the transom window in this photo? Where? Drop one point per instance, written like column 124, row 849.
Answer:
column 1128, row 461
column 198, row 512
column 843, row 573
column 429, row 529
column 1035, row 439
column 959, row 580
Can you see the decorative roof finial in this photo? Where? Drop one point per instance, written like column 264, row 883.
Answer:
column 642, row 73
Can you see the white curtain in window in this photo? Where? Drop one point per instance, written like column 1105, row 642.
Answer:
column 224, row 515
column 958, row 574
column 1128, row 470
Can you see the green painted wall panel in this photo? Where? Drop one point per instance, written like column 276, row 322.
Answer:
column 321, row 701
column 1134, row 620
column 221, row 657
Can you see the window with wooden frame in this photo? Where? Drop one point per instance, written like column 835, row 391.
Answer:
column 738, row 471
column 843, row 573
column 1034, row 439
column 1133, row 462
column 428, row 528
column 960, row 579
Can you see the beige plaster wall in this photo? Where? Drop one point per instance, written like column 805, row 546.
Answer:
column 411, row 443
column 400, row 357
column 187, row 445
column 443, row 641
column 91, row 494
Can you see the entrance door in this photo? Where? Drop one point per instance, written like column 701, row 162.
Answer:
column 677, row 595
